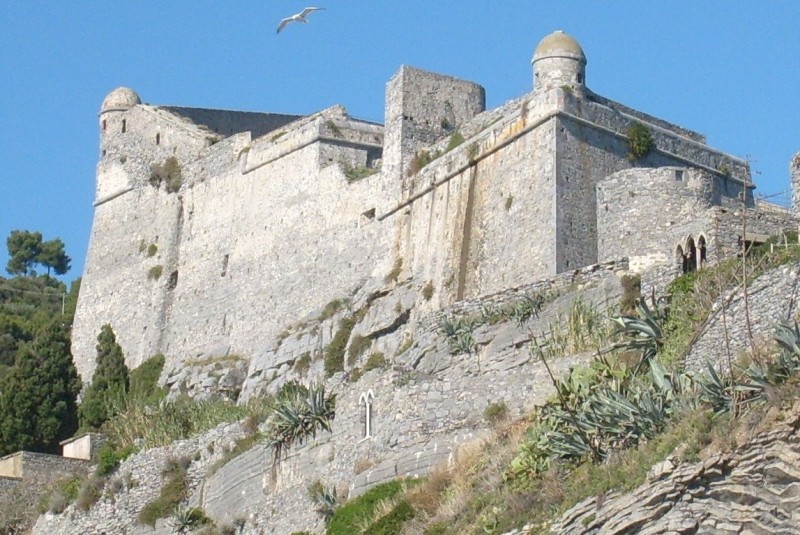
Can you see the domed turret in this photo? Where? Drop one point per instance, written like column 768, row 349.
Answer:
column 120, row 99
column 559, row 61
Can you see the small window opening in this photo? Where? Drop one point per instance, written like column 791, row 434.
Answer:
column 367, row 399
column 173, row 280
column 679, row 175
column 690, row 257
column 104, row 125
column 224, row 265
column 104, row 152
column 124, row 126
column 158, row 139
column 580, row 78
column 701, row 252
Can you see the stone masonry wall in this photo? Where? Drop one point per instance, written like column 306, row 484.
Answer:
column 772, row 298
column 215, row 243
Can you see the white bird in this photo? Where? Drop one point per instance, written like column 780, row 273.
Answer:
column 299, row 17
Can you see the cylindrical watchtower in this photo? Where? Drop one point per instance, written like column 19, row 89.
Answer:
column 557, row 62
column 112, row 111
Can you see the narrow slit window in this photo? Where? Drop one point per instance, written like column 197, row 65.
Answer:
column 367, row 399
column 124, row 126
column 224, row 265
column 158, row 139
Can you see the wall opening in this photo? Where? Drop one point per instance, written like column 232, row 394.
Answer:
column 690, row 256
column 124, row 126
column 104, row 125
column 366, row 399
column 679, row 257
column 224, row 265
column 701, row 252
column 158, row 139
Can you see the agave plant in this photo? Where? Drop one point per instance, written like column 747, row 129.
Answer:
column 643, row 332
column 298, row 416
column 185, row 519
column 325, row 498
column 788, row 338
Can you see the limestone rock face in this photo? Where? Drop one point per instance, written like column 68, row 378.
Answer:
column 755, row 489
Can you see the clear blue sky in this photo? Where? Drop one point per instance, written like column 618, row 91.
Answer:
column 728, row 69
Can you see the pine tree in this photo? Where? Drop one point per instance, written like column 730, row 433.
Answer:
column 38, row 397
column 110, row 382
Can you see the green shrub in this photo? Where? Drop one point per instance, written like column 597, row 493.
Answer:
column 144, row 379
column 358, row 345
column 494, row 413
column 90, row 492
column 332, row 308
column 375, row 361
column 420, row 160
column 334, row 351
column 456, row 139
column 174, row 490
column 168, row 173
column 108, row 458
column 154, row 273
column 427, row 291
column 640, row 141
column 152, row 426
column 472, row 151
column 63, row 493
column 356, row 173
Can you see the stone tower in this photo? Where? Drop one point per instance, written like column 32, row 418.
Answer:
column 559, row 61
column 113, row 124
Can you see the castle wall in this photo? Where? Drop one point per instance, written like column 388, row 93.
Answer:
column 286, row 232
column 123, row 284
column 176, row 272
column 477, row 217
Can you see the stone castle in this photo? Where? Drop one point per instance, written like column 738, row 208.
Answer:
column 215, row 229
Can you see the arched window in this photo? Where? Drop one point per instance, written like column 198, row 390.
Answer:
column 367, row 398
column 701, row 251
column 680, row 260
column 690, row 256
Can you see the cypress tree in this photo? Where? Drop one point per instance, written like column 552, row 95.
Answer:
column 110, row 382
column 38, row 397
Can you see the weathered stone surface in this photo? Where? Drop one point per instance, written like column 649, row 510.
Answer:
column 727, row 493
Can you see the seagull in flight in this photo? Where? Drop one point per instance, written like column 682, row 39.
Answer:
column 299, row 17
